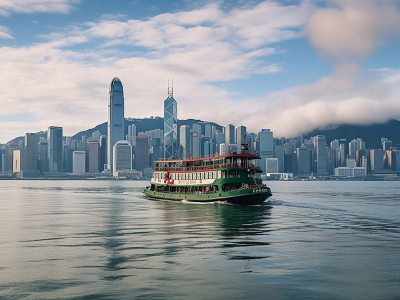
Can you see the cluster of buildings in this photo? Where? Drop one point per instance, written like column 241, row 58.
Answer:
column 128, row 153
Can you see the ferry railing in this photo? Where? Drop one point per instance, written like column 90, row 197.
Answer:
column 207, row 156
column 207, row 167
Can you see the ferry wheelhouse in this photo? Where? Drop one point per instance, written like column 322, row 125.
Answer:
column 233, row 178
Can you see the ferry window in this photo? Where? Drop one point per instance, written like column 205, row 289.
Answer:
column 206, row 175
column 198, row 175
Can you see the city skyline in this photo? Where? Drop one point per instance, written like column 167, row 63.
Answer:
column 262, row 65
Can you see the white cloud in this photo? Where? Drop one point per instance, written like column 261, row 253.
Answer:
column 5, row 33
column 69, row 88
column 349, row 30
column 8, row 7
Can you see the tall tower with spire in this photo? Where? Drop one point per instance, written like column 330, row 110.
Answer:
column 170, row 125
column 116, row 120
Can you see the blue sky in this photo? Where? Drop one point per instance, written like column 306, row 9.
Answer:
column 290, row 66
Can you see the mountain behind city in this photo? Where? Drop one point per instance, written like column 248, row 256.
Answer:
column 371, row 134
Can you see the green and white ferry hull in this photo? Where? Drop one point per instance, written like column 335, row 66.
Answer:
column 228, row 178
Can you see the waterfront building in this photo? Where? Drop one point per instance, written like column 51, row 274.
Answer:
column 359, row 155
column 122, row 153
column 132, row 134
column 359, row 172
column 31, row 146
column 266, row 147
column 271, row 165
column 376, row 159
column 92, row 157
column 102, row 153
column 343, row 172
column 141, row 153
column 321, row 153
column 344, row 151
column 156, row 150
column 208, row 130
column 353, row 149
column 351, row 163
column 115, row 129
column 78, row 162
column 390, row 160
column 303, row 161
column 240, row 137
column 170, row 125
column 54, row 149
column 42, row 156
column 6, row 163
column 195, row 141
column 229, row 134
column 223, row 150
column 20, row 160
column 185, row 141
column 219, row 139
column 279, row 151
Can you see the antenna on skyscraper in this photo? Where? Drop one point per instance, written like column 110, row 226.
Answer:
column 171, row 89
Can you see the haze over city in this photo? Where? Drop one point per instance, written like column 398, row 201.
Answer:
column 291, row 66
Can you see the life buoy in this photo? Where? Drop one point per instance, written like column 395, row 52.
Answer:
column 207, row 188
column 167, row 179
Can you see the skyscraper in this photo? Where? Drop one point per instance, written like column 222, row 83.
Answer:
column 229, row 134
column 266, row 147
column 54, row 149
column 102, row 152
column 170, row 125
column 122, row 157
column 115, row 118
column 42, row 156
column 78, row 158
column 322, row 156
column 185, row 141
column 240, row 133
column 92, row 157
column 31, row 145
column 195, row 141
column 141, row 153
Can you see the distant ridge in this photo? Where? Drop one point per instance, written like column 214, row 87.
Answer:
column 371, row 134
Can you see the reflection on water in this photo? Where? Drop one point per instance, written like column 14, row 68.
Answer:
column 104, row 240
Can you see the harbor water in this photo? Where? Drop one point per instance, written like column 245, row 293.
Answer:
column 95, row 239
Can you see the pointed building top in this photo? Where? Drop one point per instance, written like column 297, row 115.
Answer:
column 171, row 89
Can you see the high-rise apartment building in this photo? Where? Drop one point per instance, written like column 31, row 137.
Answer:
column 54, row 149
column 116, row 120
column 122, row 153
column 170, row 125
column 279, row 153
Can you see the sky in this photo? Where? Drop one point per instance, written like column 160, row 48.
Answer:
column 290, row 65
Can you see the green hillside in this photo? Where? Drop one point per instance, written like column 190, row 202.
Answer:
column 371, row 134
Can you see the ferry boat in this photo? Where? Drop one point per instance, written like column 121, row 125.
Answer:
column 234, row 178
